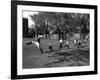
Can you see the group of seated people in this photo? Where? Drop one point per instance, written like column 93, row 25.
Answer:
column 77, row 43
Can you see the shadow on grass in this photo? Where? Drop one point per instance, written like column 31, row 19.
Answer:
column 73, row 58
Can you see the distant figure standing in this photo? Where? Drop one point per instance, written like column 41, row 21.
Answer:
column 75, row 42
column 61, row 41
column 67, row 44
column 38, row 40
column 50, row 46
column 29, row 43
column 39, row 44
column 79, row 43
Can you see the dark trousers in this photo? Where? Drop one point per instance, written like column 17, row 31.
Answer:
column 60, row 47
column 50, row 47
column 66, row 46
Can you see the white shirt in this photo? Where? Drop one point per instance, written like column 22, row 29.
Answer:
column 74, row 41
column 66, row 42
column 36, row 43
column 60, row 40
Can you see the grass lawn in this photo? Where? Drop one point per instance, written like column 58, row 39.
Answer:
column 33, row 58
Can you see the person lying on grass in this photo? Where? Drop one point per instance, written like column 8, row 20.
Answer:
column 36, row 43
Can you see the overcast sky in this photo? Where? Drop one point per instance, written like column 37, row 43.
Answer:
column 26, row 14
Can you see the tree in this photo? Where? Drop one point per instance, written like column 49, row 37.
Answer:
column 61, row 23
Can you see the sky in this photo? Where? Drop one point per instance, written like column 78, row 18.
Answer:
column 26, row 14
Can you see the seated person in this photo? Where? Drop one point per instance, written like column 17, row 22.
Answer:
column 50, row 46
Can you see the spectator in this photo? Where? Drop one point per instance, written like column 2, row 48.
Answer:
column 60, row 47
column 67, row 44
column 38, row 40
column 79, row 43
column 75, row 42
column 50, row 46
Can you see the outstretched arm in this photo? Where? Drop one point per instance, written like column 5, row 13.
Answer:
column 28, row 43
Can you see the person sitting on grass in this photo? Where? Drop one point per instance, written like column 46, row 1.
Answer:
column 79, row 43
column 50, row 46
column 61, row 46
column 36, row 43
